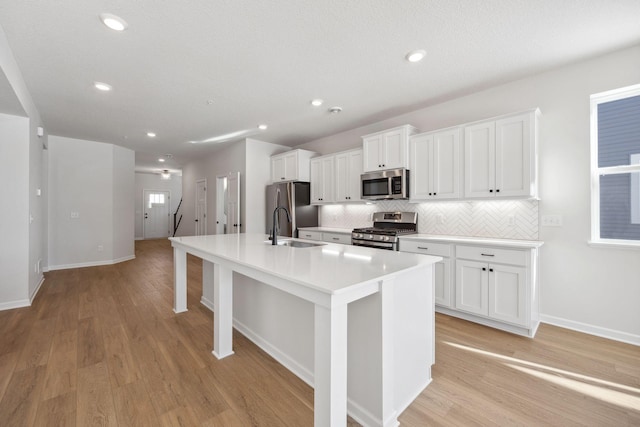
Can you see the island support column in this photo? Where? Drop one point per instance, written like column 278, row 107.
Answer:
column 222, row 311
column 330, row 371
column 179, row 280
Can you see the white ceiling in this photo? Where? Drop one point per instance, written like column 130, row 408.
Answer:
column 262, row 61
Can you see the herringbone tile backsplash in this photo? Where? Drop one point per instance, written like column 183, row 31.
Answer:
column 505, row 219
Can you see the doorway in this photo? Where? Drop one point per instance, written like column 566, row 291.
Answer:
column 155, row 224
column 228, row 203
column 201, row 207
column 221, row 204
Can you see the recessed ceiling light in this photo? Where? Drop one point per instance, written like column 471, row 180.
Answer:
column 114, row 22
column 263, row 127
column 317, row 102
column 151, row 134
column 102, row 86
column 335, row 110
column 416, row 55
column 161, row 160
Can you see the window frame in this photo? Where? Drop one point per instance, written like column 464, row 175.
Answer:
column 596, row 172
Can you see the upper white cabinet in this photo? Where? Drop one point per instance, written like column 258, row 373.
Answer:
column 435, row 165
column 348, row 166
column 322, row 179
column 500, row 157
column 388, row 149
column 291, row 166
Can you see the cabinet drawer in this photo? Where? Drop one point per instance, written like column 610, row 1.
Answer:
column 502, row 256
column 311, row 235
column 345, row 239
column 425, row 247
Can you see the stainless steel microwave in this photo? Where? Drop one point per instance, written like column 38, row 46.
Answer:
column 385, row 185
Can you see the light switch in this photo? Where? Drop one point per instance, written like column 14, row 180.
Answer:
column 75, row 215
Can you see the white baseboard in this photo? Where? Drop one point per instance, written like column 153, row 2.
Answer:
column 591, row 329
column 138, row 238
column 14, row 304
column 207, row 303
column 354, row 410
column 35, row 291
column 90, row 264
column 300, row 371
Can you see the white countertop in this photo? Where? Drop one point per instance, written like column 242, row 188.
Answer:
column 485, row 241
column 328, row 229
column 329, row 268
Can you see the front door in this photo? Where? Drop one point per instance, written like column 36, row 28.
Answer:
column 156, row 214
column 201, row 207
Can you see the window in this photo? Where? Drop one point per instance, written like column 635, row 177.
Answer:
column 615, row 167
column 156, row 199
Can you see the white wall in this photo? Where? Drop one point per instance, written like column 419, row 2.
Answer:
column 153, row 181
column 14, row 215
column 96, row 181
column 33, row 242
column 123, row 197
column 251, row 158
column 591, row 289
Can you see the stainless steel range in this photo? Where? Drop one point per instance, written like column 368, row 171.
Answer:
column 387, row 226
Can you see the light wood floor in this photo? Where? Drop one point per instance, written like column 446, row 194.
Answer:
column 102, row 346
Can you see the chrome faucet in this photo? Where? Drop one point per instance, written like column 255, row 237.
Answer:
column 274, row 230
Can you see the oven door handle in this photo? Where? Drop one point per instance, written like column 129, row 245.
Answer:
column 371, row 244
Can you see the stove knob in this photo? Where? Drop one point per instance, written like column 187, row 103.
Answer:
column 370, row 237
column 386, row 238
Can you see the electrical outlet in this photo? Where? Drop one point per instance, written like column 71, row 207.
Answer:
column 100, row 248
column 552, row 220
column 75, row 215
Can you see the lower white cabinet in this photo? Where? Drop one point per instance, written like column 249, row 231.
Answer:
column 492, row 285
column 442, row 282
column 310, row 235
column 343, row 238
column 493, row 290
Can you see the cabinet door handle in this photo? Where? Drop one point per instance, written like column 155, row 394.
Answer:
column 422, row 247
column 491, row 269
column 484, row 269
column 335, row 238
column 487, row 254
column 498, row 190
column 490, row 191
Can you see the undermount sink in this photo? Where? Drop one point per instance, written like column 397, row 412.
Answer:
column 295, row 243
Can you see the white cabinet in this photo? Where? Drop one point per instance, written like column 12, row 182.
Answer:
column 435, row 165
column 442, row 283
column 348, row 167
column 388, row 149
column 322, row 179
column 500, row 157
column 310, row 235
column 291, row 166
column 491, row 283
column 487, row 286
column 342, row 238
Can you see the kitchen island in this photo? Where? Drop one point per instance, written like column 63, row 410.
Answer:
column 372, row 311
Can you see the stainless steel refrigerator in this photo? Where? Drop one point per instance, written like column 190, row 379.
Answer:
column 296, row 197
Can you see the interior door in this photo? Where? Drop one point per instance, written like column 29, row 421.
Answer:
column 233, row 203
column 201, row 207
column 156, row 214
column 221, row 204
